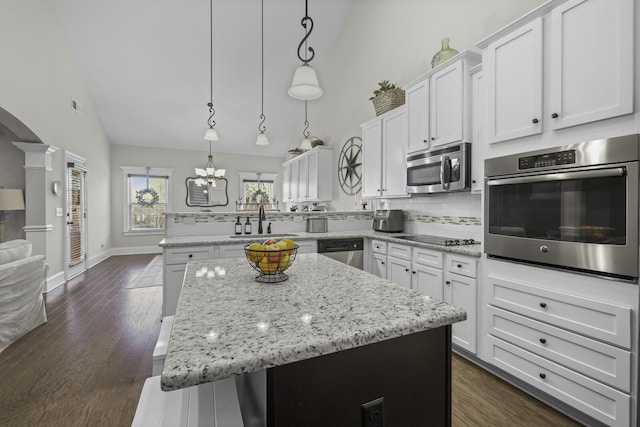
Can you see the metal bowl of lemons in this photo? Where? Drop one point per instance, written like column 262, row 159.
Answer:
column 271, row 259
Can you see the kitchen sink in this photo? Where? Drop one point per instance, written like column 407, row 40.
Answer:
column 266, row 236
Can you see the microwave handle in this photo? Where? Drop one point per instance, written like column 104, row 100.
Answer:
column 562, row 176
column 445, row 172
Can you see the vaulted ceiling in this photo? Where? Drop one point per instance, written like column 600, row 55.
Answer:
column 146, row 63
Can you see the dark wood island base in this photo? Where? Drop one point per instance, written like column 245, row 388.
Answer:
column 411, row 373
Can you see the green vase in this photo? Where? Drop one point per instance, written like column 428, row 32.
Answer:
column 444, row 54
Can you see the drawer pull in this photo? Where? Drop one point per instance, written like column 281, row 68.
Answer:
column 543, row 376
column 543, row 341
column 413, row 272
column 459, row 265
column 448, row 282
column 406, row 269
column 382, row 262
column 190, row 255
column 543, row 304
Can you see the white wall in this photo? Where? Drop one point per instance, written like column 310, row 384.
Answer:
column 394, row 40
column 38, row 79
column 183, row 163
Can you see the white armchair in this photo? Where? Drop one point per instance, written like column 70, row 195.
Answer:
column 22, row 283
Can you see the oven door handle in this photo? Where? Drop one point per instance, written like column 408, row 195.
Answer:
column 562, row 176
column 445, row 172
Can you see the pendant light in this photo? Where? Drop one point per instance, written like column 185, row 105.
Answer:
column 305, row 81
column 211, row 134
column 209, row 174
column 262, row 138
column 306, row 142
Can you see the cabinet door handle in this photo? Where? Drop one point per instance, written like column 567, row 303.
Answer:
column 554, row 116
column 543, row 304
column 459, row 265
column 543, row 376
column 433, row 138
column 425, row 141
column 473, row 181
column 543, row 341
column 382, row 262
column 406, row 269
column 448, row 282
column 534, row 121
column 413, row 272
column 190, row 255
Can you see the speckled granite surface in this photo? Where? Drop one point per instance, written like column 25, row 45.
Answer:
column 230, row 324
column 470, row 250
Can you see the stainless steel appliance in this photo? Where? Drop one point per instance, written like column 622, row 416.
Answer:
column 440, row 170
column 317, row 225
column 438, row 240
column 574, row 207
column 388, row 220
column 346, row 250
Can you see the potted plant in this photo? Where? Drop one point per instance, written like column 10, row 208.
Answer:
column 387, row 97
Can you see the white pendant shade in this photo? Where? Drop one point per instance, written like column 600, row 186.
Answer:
column 306, row 144
column 262, row 139
column 305, row 84
column 211, row 135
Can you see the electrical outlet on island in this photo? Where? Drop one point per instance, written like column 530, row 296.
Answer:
column 372, row 413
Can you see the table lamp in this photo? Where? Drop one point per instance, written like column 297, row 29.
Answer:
column 10, row 200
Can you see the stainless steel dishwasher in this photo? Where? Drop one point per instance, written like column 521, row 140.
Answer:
column 345, row 250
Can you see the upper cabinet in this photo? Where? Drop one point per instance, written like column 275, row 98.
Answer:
column 513, row 74
column 592, row 58
column 438, row 107
column 308, row 177
column 585, row 73
column 383, row 155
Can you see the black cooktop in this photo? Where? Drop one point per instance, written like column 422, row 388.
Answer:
column 438, row 240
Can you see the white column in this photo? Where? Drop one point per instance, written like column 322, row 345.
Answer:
column 37, row 161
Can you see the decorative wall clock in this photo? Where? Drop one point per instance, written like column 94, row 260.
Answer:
column 350, row 166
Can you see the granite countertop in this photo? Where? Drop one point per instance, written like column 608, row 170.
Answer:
column 167, row 242
column 230, row 324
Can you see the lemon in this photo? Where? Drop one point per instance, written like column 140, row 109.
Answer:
column 254, row 252
column 290, row 244
column 267, row 267
column 285, row 262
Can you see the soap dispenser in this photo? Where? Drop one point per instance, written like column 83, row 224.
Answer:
column 247, row 227
column 238, row 226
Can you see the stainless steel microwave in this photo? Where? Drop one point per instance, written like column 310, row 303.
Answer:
column 440, row 170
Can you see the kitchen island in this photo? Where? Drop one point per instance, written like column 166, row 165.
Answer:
column 321, row 344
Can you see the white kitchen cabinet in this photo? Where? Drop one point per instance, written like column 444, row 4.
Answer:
column 449, row 101
column 427, row 281
column 439, row 106
column 513, row 74
column 592, row 61
column 175, row 261
column 478, row 127
column 286, row 182
column 461, row 291
column 383, row 161
column 308, row 177
column 541, row 74
column 380, row 265
column 417, row 98
column 233, row 250
column 399, row 271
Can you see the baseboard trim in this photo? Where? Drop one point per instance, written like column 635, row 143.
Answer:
column 136, row 250
column 98, row 258
column 54, row 281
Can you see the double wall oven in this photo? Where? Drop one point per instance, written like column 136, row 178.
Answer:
column 573, row 207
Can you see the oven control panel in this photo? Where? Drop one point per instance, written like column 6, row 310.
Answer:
column 550, row 159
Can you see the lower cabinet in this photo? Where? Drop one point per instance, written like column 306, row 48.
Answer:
column 556, row 332
column 446, row 276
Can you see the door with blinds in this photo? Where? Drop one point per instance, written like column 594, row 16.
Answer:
column 76, row 247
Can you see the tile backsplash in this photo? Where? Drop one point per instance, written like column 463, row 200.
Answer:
column 451, row 215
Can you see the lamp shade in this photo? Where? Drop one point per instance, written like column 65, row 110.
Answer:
column 211, row 135
column 262, row 139
column 11, row 199
column 306, row 144
column 305, row 84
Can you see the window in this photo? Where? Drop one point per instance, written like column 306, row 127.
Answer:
column 141, row 218
column 258, row 187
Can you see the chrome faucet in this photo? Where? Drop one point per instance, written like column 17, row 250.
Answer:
column 261, row 217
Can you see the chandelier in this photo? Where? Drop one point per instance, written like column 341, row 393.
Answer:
column 209, row 174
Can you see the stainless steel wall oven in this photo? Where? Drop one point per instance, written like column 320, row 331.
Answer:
column 573, row 207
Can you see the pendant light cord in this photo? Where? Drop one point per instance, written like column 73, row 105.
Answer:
column 212, row 111
column 261, row 127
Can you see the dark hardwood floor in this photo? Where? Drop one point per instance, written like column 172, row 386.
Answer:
column 87, row 364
